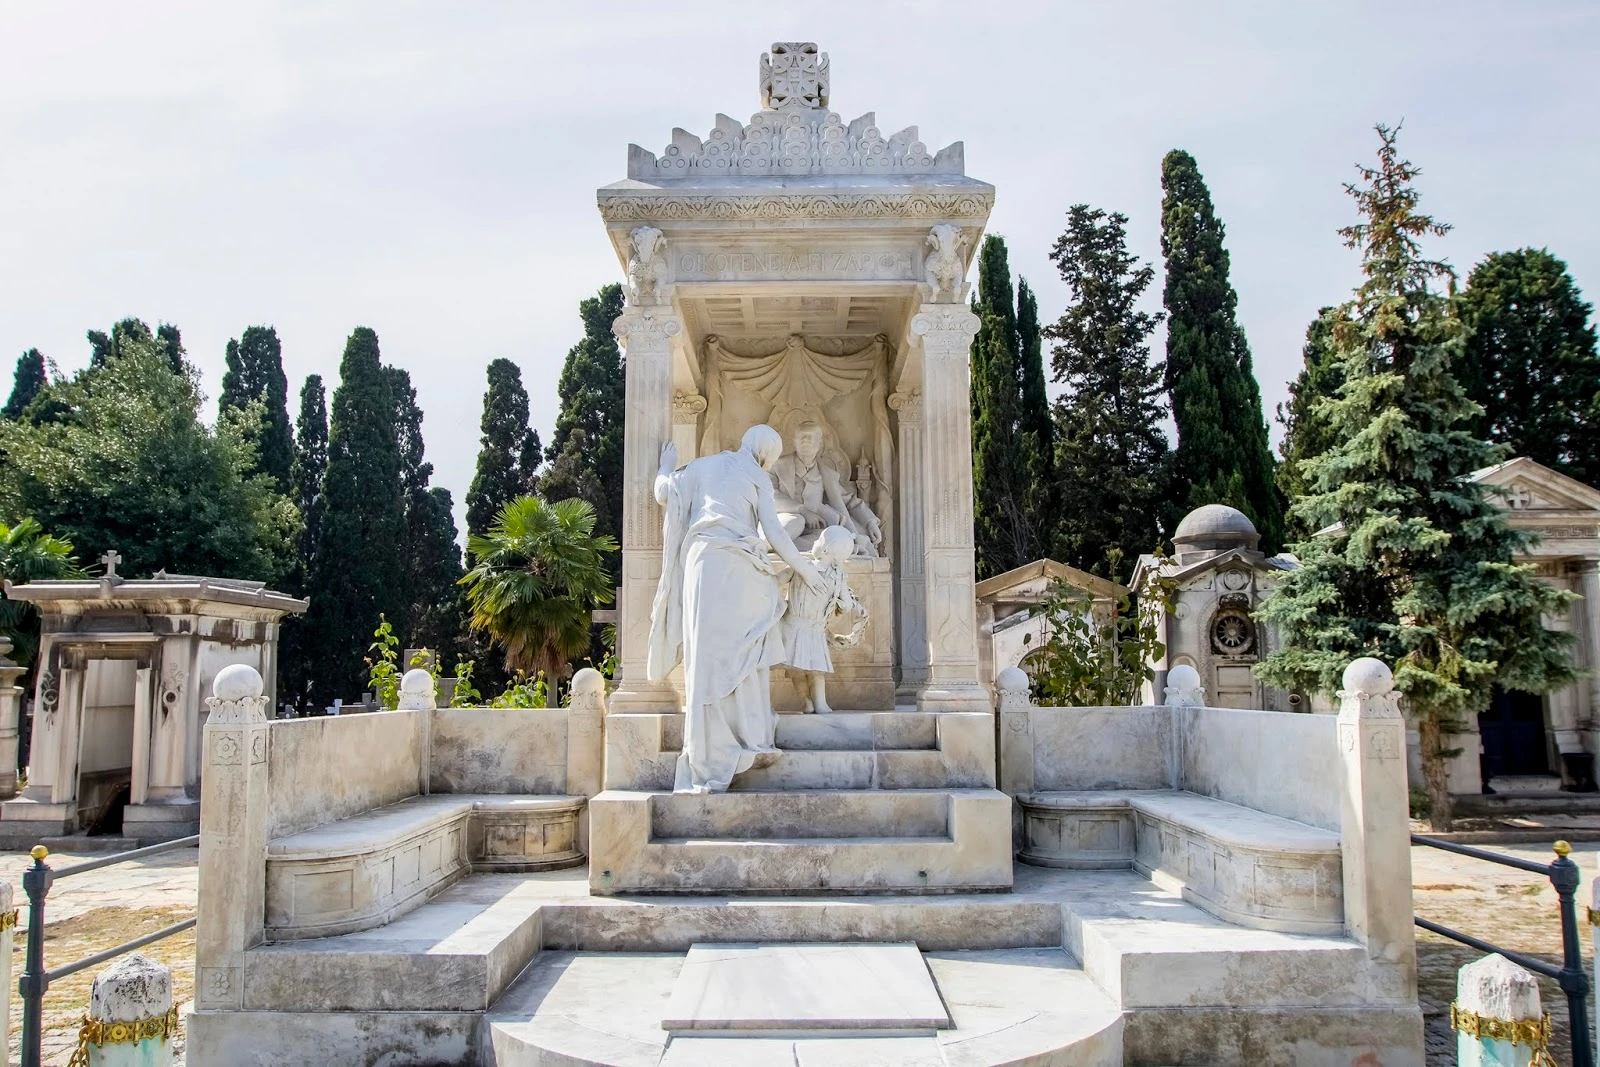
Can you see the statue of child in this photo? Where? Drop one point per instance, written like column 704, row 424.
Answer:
column 806, row 639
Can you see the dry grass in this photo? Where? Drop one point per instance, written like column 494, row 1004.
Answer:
column 83, row 935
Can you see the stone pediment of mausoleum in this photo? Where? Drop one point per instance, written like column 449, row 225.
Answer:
column 1528, row 487
column 1186, row 576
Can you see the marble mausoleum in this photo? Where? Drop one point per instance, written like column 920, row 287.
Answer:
column 124, row 667
column 939, row 873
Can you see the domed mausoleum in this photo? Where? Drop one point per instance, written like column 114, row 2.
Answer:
column 1221, row 577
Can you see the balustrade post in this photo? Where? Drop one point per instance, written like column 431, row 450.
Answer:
column 131, row 1019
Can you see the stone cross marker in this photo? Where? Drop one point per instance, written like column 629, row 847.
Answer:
column 111, row 559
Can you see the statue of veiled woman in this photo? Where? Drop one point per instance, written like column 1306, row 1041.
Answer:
column 718, row 605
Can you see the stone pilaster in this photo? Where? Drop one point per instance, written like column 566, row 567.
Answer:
column 1589, row 587
column 647, row 335
column 233, row 838
column 1375, row 833
column 686, row 411
column 143, row 699
column 68, row 720
column 10, row 716
column 913, row 601
column 946, row 332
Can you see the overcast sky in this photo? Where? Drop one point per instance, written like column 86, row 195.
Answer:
column 428, row 169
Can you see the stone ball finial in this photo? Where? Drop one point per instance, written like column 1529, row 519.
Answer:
column 588, row 682
column 416, row 680
column 237, row 681
column 1184, row 688
column 1368, row 675
column 1012, row 680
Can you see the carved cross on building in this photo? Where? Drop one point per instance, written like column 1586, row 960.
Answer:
column 1519, row 498
column 794, row 75
column 111, row 559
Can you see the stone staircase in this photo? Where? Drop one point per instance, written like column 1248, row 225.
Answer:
column 857, row 802
column 1072, row 968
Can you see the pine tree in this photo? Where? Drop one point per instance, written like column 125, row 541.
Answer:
column 296, row 682
column 29, row 382
column 1223, row 455
column 1035, row 422
column 1000, row 464
column 1530, row 361
column 255, row 372
column 1111, row 453
column 358, row 570
column 585, row 452
column 504, row 443
column 1305, row 431
column 1417, row 566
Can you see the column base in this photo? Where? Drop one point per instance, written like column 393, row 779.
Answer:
column 961, row 697
column 161, row 821
column 643, row 698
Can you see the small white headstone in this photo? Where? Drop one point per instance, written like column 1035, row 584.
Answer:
column 416, row 691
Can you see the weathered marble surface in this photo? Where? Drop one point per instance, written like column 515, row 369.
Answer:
column 499, row 750
column 1277, row 762
column 780, row 987
column 331, row 767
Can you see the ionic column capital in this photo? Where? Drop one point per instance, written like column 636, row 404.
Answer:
column 646, row 328
column 909, row 406
column 945, row 329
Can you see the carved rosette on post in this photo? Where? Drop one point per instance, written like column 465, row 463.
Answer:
column 233, row 837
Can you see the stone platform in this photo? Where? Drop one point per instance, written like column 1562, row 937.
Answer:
column 1071, row 967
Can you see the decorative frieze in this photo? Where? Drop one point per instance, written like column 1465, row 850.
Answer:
column 966, row 204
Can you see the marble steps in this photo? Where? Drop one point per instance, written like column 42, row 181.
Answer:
column 851, row 769
column 845, row 841
column 862, row 731
column 458, row 952
column 1017, row 1006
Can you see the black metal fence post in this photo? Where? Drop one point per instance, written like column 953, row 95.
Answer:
column 1573, row 979
column 31, row 986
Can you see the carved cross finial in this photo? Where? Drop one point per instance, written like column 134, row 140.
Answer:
column 794, row 75
column 1519, row 498
column 111, row 559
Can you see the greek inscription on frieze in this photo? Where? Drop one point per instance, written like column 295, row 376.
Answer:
column 785, row 265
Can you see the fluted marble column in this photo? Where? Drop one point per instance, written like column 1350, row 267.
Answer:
column 646, row 334
column 913, row 604
column 947, row 331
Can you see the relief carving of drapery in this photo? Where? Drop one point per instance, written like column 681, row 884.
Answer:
column 795, row 383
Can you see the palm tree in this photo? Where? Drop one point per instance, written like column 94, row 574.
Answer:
column 536, row 576
column 28, row 554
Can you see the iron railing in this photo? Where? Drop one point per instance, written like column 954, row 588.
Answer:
column 36, row 883
column 1570, row 976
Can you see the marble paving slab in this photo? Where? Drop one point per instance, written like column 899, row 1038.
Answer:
column 800, row 987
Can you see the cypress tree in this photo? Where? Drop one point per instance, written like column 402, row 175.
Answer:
column 358, row 570
column 999, row 465
column 1035, row 422
column 171, row 342
column 1223, row 455
column 499, row 478
column 585, row 452
column 1111, row 453
column 306, row 475
column 1530, row 361
column 255, row 372
column 436, row 614
column 1306, row 431
column 1416, row 567
column 28, row 383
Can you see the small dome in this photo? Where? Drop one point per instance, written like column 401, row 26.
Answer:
column 236, row 682
column 1215, row 528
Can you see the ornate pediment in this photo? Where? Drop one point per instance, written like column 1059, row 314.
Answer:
column 794, row 134
column 1527, row 488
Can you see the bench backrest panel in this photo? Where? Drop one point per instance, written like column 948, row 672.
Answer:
column 331, row 767
column 1278, row 762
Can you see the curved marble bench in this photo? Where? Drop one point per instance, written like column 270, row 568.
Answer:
column 367, row 870
column 1239, row 864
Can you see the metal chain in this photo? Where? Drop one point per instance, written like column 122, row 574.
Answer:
column 1535, row 1033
